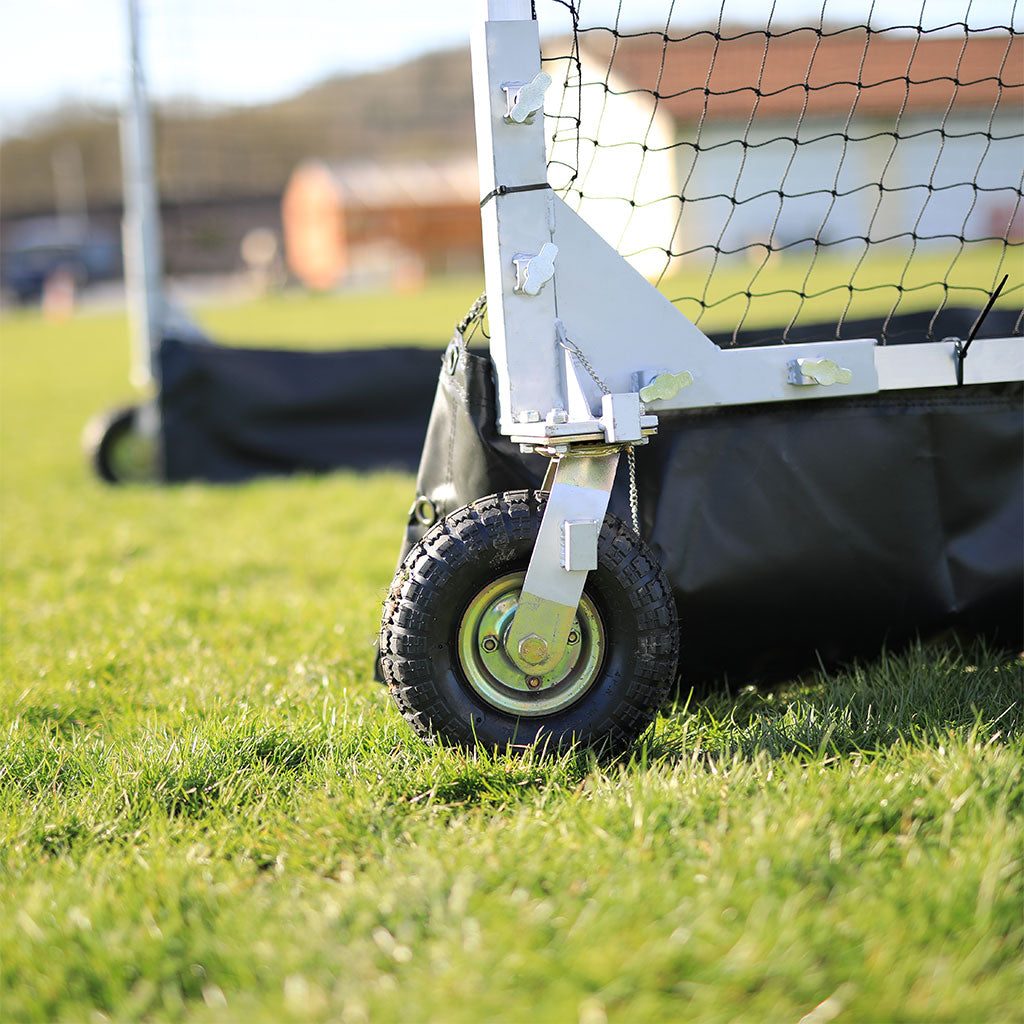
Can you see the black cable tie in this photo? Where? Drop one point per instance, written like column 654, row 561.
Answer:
column 503, row 190
column 961, row 347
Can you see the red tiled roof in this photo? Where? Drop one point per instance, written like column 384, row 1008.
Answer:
column 882, row 71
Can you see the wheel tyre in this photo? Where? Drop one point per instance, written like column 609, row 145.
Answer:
column 116, row 451
column 464, row 554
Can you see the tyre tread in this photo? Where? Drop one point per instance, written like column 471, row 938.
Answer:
column 491, row 531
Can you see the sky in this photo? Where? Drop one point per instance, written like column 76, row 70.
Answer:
column 249, row 51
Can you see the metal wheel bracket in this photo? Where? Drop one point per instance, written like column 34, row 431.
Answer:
column 565, row 551
column 592, row 413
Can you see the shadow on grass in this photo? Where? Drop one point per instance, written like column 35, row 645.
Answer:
column 192, row 773
column 63, row 719
column 915, row 695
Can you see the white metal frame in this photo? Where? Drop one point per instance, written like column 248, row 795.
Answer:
column 586, row 352
column 140, row 230
column 151, row 315
column 630, row 333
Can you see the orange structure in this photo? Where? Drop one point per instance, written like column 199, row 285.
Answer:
column 376, row 221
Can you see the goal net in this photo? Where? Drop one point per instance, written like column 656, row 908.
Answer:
column 806, row 168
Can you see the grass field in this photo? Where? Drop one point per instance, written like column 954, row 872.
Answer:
column 209, row 812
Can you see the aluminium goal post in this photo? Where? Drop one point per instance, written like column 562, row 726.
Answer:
column 834, row 469
column 763, row 178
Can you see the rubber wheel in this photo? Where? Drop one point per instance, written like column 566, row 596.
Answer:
column 117, row 451
column 455, row 592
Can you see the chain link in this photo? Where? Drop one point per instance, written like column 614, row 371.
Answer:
column 574, row 349
column 476, row 312
column 634, row 502
column 571, row 346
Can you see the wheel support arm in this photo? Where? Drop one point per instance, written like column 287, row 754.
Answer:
column 566, row 550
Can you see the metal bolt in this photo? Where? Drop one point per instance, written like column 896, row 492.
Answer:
column 558, row 416
column 533, row 682
column 533, row 649
column 574, row 636
column 489, row 644
column 528, row 416
column 451, row 358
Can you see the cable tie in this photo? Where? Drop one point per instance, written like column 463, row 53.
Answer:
column 961, row 347
column 504, row 190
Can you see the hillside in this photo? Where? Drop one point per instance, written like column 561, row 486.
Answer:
column 420, row 108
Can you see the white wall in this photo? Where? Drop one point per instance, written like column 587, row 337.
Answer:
column 855, row 169
column 614, row 170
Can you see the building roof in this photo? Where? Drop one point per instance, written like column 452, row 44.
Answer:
column 881, row 71
column 369, row 183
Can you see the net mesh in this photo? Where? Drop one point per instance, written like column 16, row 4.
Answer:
column 791, row 172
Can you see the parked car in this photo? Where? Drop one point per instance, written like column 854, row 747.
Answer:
column 37, row 249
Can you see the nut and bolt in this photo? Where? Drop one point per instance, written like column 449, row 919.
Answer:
column 573, row 637
column 528, row 416
column 533, row 682
column 533, row 649
column 489, row 644
column 558, row 416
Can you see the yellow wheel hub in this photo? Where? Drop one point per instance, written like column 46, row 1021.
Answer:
column 493, row 675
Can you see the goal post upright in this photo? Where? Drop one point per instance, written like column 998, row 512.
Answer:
column 511, row 155
column 141, row 235
column 626, row 330
column 557, row 622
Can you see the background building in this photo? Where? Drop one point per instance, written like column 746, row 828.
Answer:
column 381, row 221
column 832, row 139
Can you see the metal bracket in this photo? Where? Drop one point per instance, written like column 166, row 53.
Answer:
column 621, row 417
column 524, row 99
column 579, row 544
column 566, row 547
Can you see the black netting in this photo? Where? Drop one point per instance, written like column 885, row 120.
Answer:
column 769, row 176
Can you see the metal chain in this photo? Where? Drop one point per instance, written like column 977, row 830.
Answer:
column 634, row 502
column 476, row 312
column 574, row 349
column 571, row 346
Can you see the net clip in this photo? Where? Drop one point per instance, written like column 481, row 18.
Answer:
column 662, row 385
column 524, row 99
column 533, row 272
column 826, row 372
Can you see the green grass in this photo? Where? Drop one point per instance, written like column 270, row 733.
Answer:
column 364, row 319
column 818, row 289
column 209, row 812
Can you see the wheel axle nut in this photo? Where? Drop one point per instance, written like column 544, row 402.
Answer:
column 533, row 649
column 489, row 644
column 533, row 682
column 573, row 637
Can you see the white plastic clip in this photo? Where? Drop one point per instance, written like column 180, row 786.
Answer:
column 524, row 99
column 533, row 272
